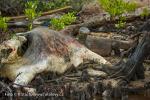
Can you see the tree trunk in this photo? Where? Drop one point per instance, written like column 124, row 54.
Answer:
column 133, row 67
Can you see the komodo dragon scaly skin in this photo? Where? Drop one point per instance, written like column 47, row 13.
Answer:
column 46, row 50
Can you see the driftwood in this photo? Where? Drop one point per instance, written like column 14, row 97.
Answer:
column 38, row 21
column 44, row 13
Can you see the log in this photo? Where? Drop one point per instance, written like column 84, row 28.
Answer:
column 37, row 21
column 43, row 14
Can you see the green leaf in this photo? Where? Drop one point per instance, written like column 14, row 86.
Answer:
column 63, row 21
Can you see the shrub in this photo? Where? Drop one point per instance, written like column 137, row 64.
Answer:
column 3, row 24
column 116, row 8
column 60, row 23
column 145, row 13
column 30, row 11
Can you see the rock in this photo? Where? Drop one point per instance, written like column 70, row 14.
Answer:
column 84, row 30
column 99, row 45
column 91, row 8
column 104, row 46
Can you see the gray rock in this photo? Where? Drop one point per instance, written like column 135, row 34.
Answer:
column 84, row 30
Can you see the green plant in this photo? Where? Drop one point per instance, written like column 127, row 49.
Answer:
column 121, row 23
column 61, row 3
column 60, row 23
column 43, row 6
column 3, row 24
column 130, row 6
column 116, row 8
column 145, row 13
column 30, row 11
column 52, row 4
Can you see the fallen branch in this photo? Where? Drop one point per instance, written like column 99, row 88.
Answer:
column 44, row 13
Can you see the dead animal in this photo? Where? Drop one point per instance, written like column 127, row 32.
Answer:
column 42, row 50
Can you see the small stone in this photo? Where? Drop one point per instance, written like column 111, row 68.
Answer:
column 84, row 30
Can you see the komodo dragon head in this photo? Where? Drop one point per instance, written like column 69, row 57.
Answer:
column 9, row 50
